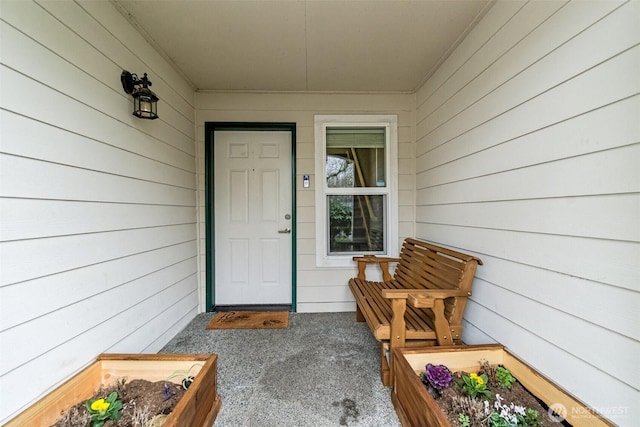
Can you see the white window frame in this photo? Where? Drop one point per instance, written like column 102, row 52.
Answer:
column 322, row 122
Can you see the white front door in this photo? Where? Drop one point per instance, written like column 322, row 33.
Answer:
column 253, row 217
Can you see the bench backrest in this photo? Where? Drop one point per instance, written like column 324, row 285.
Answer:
column 426, row 266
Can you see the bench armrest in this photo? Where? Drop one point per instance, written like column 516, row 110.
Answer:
column 423, row 294
column 383, row 262
column 425, row 299
column 432, row 299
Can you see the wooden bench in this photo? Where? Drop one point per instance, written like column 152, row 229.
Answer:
column 422, row 304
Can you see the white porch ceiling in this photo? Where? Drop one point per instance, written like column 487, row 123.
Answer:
column 305, row 45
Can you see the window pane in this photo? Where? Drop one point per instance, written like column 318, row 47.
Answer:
column 356, row 223
column 355, row 157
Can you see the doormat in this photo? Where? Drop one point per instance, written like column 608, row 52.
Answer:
column 250, row 320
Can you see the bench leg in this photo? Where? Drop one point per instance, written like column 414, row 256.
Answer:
column 441, row 326
column 398, row 330
column 385, row 369
column 359, row 316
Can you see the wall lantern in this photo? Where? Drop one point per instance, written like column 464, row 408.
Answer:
column 145, row 102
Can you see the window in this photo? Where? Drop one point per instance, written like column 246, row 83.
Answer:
column 356, row 187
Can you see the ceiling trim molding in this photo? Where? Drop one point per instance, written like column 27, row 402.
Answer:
column 124, row 12
column 456, row 43
column 311, row 92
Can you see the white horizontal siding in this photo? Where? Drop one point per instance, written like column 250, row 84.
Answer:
column 54, row 292
column 98, row 232
column 66, row 217
column 580, row 257
column 156, row 163
column 559, row 141
column 33, row 258
column 318, row 289
column 129, row 296
column 533, row 116
column 581, row 379
column 38, row 179
column 598, row 216
column 326, row 307
column 527, row 150
column 558, row 328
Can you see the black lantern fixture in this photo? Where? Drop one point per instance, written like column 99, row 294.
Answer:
column 145, row 102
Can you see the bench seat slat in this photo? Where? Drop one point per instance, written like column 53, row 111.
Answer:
column 380, row 312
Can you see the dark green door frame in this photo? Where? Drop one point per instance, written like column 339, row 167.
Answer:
column 209, row 163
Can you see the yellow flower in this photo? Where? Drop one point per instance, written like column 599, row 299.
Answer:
column 476, row 378
column 100, row 405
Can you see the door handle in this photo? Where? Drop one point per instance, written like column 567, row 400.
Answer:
column 285, row 231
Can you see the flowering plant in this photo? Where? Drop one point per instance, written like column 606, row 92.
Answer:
column 511, row 415
column 436, row 378
column 104, row 409
column 476, row 384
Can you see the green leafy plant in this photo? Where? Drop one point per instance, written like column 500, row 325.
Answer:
column 102, row 410
column 464, row 420
column 532, row 418
column 496, row 420
column 340, row 218
column 504, row 377
column 339, row 213
column 187, row 377
column 475, row 385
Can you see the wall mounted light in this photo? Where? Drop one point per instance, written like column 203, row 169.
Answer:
column 145, row 102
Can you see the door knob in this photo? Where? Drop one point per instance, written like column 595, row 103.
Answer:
column 285, row 231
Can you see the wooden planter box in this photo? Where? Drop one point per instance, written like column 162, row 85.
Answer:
column 415, row 406
column 198, row 407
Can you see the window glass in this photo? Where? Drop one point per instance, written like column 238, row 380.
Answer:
column 355, row 157
column 356, row 223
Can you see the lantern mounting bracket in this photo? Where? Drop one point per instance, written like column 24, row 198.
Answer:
column 131, row 80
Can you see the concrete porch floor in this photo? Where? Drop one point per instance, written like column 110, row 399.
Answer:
column 324, row 370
